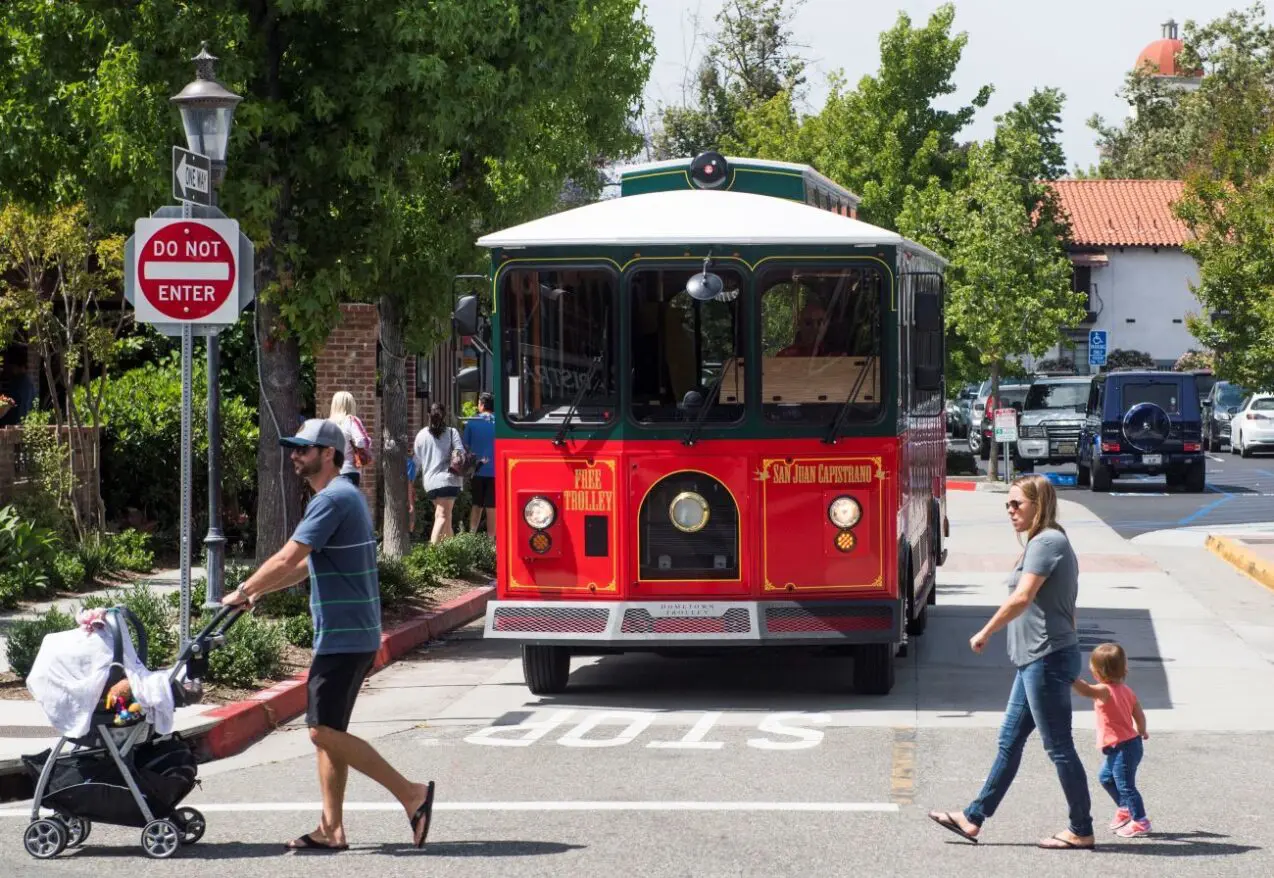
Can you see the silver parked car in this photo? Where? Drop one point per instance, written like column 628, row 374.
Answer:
column 1052, row 417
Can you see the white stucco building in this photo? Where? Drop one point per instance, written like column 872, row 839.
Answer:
column 1128, row 257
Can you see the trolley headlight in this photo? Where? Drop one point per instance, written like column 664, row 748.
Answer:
column 844, row 512
column 688, row 511
column 539, row 512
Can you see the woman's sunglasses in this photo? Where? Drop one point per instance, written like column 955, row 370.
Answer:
column 1013, row 505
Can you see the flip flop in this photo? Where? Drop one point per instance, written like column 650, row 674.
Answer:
column 946, row 821
column 308, row 842
column 1057, row 843
column 425, row 813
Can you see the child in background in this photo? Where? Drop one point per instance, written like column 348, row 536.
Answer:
column 1121, row 727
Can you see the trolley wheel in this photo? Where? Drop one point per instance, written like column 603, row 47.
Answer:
column 77, row 830
column 874, row 668
column 191, row 824
column 546, row 668
column 917, row 626
column 160, row 839
column 45, row 838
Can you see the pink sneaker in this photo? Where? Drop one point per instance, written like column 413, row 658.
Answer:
column 1122, row 816
column 1134, row 829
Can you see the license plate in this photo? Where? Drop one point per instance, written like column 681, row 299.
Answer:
column 1067, row 449
column 1152, row 459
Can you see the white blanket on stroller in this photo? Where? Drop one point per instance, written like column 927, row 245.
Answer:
column 68, row 680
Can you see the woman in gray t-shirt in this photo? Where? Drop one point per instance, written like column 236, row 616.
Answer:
column 433, row 448
column 1044, row 646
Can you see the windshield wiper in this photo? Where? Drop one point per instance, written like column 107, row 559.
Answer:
column 834, row 428
column 713, row 393
column 586, row 386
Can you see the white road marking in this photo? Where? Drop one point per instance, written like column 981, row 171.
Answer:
column 256, row 807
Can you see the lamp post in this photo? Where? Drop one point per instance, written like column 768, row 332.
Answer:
column 207, row 113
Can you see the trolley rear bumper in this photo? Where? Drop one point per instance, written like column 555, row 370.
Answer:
column 694, row 623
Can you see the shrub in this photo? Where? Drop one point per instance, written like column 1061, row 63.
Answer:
column 155, row 614
column 69, row 571
column 198, row 594
column 12, row 590
column 452, row 559
column 24, row 544
column 131, row 551
column 253, row 651
column 478, row 548
column 396, row 582
column 299, row 630
column 97, row 558
column 960, row 462
column 26, row 636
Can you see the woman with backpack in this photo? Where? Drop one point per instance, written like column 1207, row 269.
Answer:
column 441, row 460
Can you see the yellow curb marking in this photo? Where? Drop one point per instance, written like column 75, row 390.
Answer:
column 902, row 770
column 1242, row 559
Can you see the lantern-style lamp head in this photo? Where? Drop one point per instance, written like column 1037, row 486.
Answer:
column 207, row 111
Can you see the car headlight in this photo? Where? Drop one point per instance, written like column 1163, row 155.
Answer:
column 539, row 513
column 1223, row 416
column 688, row 512
column 844, row 512
column 1034, row 431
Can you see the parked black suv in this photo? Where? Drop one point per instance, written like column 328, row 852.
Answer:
column 1219, row 407
column 1142, row 422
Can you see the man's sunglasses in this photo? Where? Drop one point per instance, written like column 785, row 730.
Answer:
column 1013, row 505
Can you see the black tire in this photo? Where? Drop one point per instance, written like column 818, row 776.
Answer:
column 874, row 669
column 546, row 668
column 1207, row 440
column 191, row 823
column 1082, row 476
column 1245, row 451
column 917, row 624
column 1196, row 478
column 1100, row 478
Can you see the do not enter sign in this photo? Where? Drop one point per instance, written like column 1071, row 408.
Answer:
column 187, row 271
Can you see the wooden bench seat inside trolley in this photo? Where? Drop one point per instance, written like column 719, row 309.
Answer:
column 795, row 380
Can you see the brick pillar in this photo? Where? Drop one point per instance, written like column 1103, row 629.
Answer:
column 347, row 361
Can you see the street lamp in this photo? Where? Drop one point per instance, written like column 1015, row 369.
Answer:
column 207, row 113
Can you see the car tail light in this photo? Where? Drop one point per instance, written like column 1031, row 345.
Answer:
column 1193, row 446
column 1110, row 447
column 1255, row 417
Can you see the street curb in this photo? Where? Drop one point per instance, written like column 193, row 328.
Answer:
column 243, row 723
column 1242, row 559
column 977, row 485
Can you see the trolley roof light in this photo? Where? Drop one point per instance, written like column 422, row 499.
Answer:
column 539, row 513
column 844, row 512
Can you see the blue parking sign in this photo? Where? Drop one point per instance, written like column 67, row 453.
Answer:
column 1097, row 347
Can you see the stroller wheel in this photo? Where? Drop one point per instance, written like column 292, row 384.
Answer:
column 45, row 839
column 160, row 839
column 191, row 824
column 77, row 830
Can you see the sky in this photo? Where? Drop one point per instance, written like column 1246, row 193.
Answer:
column 1083, row 47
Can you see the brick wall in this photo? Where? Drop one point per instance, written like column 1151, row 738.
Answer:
column 16, row 475
column 348, row 362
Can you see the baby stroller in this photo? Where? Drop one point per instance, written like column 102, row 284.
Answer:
column 121, row 773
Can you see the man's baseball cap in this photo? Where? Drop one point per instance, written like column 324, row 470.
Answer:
column 316, row 433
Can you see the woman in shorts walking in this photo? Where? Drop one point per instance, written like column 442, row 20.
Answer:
column 434, row 448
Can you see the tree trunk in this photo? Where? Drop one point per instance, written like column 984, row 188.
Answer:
column 992, row 466
column 395, row 443
column 279, row 490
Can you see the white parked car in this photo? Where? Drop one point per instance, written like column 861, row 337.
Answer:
column 1252, row 428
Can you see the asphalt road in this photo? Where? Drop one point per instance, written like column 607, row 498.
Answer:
column 769, row 764
column 1239, row 491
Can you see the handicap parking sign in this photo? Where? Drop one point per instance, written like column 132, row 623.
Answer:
column 1097, row 347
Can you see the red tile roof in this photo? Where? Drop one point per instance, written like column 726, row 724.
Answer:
column 1123, row 213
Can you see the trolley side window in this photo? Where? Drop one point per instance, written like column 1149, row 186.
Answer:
column 680, row 348
column 821, row 343
column 558, row 344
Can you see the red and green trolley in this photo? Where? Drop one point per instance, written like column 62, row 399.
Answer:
column 720, row 422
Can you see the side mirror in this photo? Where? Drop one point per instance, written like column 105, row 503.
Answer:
column 928, row 379
column 928, row 312
column 469, row 380
column 465, row 317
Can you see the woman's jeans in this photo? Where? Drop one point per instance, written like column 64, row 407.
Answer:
column 1119, row 776
column 1041, row 697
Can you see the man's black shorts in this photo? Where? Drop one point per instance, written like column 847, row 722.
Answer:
column 333, row 687
column 483, row 490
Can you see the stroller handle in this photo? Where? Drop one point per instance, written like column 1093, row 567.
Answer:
column 210, row 637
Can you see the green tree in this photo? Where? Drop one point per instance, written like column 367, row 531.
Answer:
column 323, row 142
column 750, row 60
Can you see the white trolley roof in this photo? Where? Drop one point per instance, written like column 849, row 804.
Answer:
column 695, row 217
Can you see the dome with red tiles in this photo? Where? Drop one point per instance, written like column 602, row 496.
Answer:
column 1160, row 57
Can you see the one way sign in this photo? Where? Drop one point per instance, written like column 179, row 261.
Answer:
column 192, row 177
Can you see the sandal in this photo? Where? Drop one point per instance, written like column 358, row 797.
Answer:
column 423, row 813
column 308, row 842
column 946, row 821
column 1059, row 843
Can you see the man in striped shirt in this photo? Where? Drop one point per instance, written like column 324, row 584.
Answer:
column 335, row 546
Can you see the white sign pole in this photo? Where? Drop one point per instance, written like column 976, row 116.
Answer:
column 187, row 357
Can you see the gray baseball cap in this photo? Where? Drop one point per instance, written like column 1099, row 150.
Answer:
column 316, row 433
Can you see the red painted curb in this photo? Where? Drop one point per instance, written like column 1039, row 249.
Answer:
column 961, row 485
column 245, row 722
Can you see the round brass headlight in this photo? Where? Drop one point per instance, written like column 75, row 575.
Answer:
column 689, row 512
column 844, row 512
